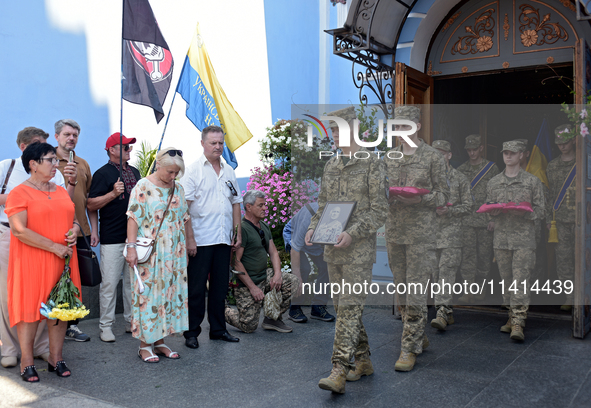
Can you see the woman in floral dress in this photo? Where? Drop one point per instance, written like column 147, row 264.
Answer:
column 161, row 309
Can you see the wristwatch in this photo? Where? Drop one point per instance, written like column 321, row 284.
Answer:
column 70, row 183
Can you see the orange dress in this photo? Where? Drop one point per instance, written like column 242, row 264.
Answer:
column 33, row 272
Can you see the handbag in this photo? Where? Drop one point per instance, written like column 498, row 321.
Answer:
column 145, row 246
column 88, row 264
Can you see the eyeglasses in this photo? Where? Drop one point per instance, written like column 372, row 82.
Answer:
column 173, row 153
column 54, row 160
column 231, row 187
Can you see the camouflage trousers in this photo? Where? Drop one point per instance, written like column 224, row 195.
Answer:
column 413, row 265
column 477, row 254
column 350, row 337
column 246, row 318
column 448, row 261
column 565, row 255
column 516, row 266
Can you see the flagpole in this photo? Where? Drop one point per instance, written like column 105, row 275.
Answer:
column 166, row 123
column 121, row 107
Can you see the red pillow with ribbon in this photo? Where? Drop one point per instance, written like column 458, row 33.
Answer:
column 488, row 207
column 522, row 206
column 408, row 192
column 446, row 205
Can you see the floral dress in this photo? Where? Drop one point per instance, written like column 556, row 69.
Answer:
column 162, row 308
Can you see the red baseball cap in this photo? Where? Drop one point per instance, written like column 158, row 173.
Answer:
column 115, row 139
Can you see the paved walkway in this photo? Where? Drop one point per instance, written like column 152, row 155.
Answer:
column 473, row 364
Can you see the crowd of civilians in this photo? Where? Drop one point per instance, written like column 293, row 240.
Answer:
column 51, row 202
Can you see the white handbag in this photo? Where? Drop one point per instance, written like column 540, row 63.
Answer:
column 145, row 246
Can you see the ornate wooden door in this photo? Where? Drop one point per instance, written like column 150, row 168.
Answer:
column 581, row 310
column 415, row 88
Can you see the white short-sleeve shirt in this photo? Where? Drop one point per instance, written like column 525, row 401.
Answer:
column 19, row 176
column 211, row 199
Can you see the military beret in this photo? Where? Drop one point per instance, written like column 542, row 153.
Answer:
column 346, row 113
column 473, row 142
column 563, row 134
column 513, row 146
column 408, row 113
column 442, row 145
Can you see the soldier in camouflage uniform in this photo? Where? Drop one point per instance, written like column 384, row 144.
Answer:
column 449, row 235
column 514, row 237
column 361, row 179
column 477, row 252
column 409, row 231
column 558, row 171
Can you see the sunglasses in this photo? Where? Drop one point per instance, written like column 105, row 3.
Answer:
column 125, row 147
column 263, row 240
column 231, row 187
column 173, row 153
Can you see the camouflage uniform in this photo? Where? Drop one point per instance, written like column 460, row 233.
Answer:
column 477, row 252
column 409, row 230
column 363, row 181
column 449, row 232
column 514, row 237
column 246, row 318
column 557, row 172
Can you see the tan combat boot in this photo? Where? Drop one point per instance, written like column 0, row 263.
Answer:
column 363, row 367
column 335, row 381
column 507, row 327
column 517, row 332
column 441, row 321
column 406, row 361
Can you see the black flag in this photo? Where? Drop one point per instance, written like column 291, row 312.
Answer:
column 147, row 61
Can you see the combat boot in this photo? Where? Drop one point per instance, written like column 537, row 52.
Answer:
column 335, row 381
column 406, row 361
column 363, row 367
column 517, row 332
column 442, row 320
column 507, row 327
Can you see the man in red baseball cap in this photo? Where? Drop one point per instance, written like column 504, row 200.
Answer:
column 115, row 179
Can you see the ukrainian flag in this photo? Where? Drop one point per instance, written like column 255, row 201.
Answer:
column 541, row 154
column 207, row 103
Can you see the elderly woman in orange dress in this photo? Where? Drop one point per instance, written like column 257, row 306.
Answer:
column 41, row 217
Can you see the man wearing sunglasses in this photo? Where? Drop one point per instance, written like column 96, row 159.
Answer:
column 211, row 191
column 257, row 280
column 109, row 194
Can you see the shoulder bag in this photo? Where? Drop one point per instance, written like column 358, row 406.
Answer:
column 145, row 246
column 88, row 264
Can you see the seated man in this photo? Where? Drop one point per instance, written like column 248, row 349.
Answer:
column 294, row 234
column 251, row 258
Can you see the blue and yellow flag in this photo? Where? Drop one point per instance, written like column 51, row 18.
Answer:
column 207, row 103
column 541, row 154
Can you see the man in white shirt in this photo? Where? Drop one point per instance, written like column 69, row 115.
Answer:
column 211, row 190
column 10, row 177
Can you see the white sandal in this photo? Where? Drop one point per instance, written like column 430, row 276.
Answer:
column 170, row 355
column 149, row 359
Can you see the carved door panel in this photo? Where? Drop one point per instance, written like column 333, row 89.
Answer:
column 415, row 88
column 581, row 310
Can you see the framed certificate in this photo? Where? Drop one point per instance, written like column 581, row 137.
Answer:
column 333, row 221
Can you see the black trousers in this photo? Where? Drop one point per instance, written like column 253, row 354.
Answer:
column 212, row 260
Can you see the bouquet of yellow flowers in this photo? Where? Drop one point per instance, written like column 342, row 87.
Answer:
column 63, row 302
